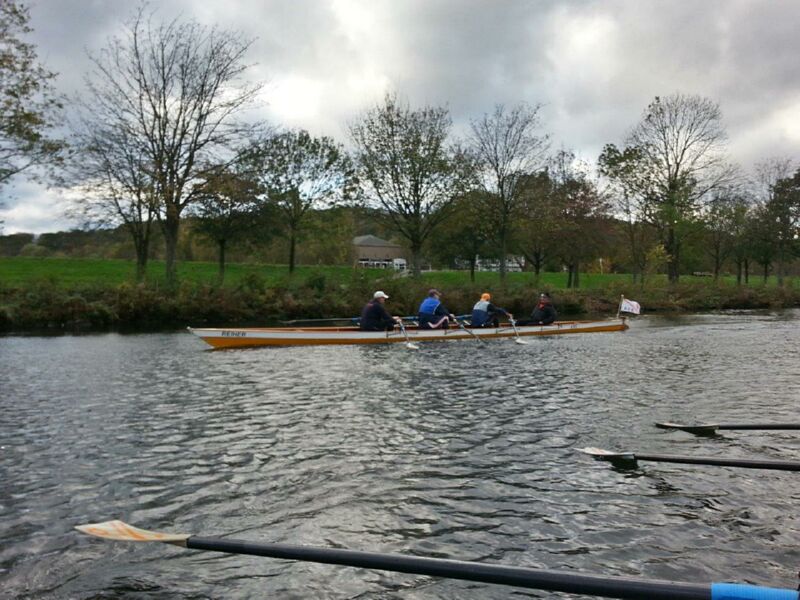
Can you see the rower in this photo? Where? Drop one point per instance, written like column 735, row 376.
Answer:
column 375, row 317
column 432, row 313
column 486, row 314
column 543, row 314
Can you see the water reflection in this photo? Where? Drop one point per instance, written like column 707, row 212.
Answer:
column 456, row 450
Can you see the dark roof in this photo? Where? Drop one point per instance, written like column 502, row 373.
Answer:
column 371, row 240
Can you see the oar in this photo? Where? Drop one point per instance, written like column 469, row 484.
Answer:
column 710, row 429
column 518, row 339
column 409, row 345
column 629, row 459
column 352, row 320
column 461, row 326
column 540, row 579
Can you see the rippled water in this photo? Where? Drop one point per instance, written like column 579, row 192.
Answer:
column 457, row 450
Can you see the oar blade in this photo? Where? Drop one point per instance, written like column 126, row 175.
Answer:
column 704, row 429
column 119, row 530
column 601, row 454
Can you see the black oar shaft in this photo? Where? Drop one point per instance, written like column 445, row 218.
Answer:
column 776, row 465
column 761, row 426
column 555, row 581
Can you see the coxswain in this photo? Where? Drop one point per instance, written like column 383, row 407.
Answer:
column 486, row 314
column 432, row 313
column 375, row 317
column 543, row 314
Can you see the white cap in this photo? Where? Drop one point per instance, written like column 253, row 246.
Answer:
column 379, row 294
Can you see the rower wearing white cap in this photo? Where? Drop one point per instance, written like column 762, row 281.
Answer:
column 375, row 317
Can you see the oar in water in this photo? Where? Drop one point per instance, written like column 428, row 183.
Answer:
column 517, row 340
column 540, row 579
column 711, row 429
column 629, row 459
column 409, row 345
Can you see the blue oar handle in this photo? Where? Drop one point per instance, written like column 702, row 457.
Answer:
column 735, row 591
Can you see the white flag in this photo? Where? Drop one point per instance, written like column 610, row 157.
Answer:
column 630, row 306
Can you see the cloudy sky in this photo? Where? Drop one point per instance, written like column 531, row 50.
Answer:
column 594, row 65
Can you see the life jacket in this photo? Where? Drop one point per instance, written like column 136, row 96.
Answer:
column 429, row 306
column 480, row 313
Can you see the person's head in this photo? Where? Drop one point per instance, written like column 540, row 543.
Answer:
column 544, row 297
column 379, row 297
column 486, row 296
column 434, row 293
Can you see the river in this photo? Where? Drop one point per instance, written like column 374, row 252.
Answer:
column 455, row 450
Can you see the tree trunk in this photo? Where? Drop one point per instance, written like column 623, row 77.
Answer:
column 503, row 246
column 171, row 227
column 292, row 246
column 739, row 272
column 576, row 276
column 416, row 259
column 746, row 271
column 221, row 261
column 766, row 273
column 472, row 261
column 671, row 246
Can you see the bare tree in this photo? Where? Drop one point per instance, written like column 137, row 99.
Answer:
column 172, row 90
column 111, row 176
column 298, row 172
column 406, row 167
column 508, row 149
column 678, row 154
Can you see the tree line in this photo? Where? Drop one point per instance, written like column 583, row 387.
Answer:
column 160, row 135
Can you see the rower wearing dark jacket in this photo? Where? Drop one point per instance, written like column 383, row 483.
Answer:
column 432, row 313
column 543, row 314
column 375, row 317
column 486, row 314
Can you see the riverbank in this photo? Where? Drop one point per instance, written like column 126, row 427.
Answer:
column 74, row 295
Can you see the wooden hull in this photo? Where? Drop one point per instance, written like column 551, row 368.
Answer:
column 319, row 336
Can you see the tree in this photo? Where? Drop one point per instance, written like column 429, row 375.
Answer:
column 507, row 149
column 407, row 168
column 29, row 106
column 629, row 193
column 784, row 211
column 226, row 206
column 466, row 233
column 538, row 220
column 581, row 226
column 722, row 220
column 173, row 91
column 676, row 155
column 298, row 172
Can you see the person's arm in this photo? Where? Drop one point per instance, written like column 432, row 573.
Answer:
column 496, row 309
column 386, row 318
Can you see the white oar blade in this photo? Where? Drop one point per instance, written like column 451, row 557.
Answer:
column 521, row 342
column 118, row 530
column 601, row 454
column 705, row 428
column 411, row 346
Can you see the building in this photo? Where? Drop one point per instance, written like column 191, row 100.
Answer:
column 372, row 251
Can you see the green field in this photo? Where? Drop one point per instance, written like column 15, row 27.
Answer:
column 73, row 272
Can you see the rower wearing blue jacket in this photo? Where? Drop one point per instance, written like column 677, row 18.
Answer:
column 432, row 313
column 486, row 314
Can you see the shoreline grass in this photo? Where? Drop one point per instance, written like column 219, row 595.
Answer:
column 58, row 294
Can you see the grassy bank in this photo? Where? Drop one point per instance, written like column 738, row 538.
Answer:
column 72, row 294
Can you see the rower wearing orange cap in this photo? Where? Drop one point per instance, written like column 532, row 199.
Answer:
column 486, row 314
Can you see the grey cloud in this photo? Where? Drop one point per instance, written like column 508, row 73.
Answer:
column 594, row 64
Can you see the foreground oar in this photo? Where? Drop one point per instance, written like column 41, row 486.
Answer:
column 711, row 428
column 540, row 579
column 629, row 459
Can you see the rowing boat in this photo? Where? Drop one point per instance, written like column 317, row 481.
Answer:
column 314, row 336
